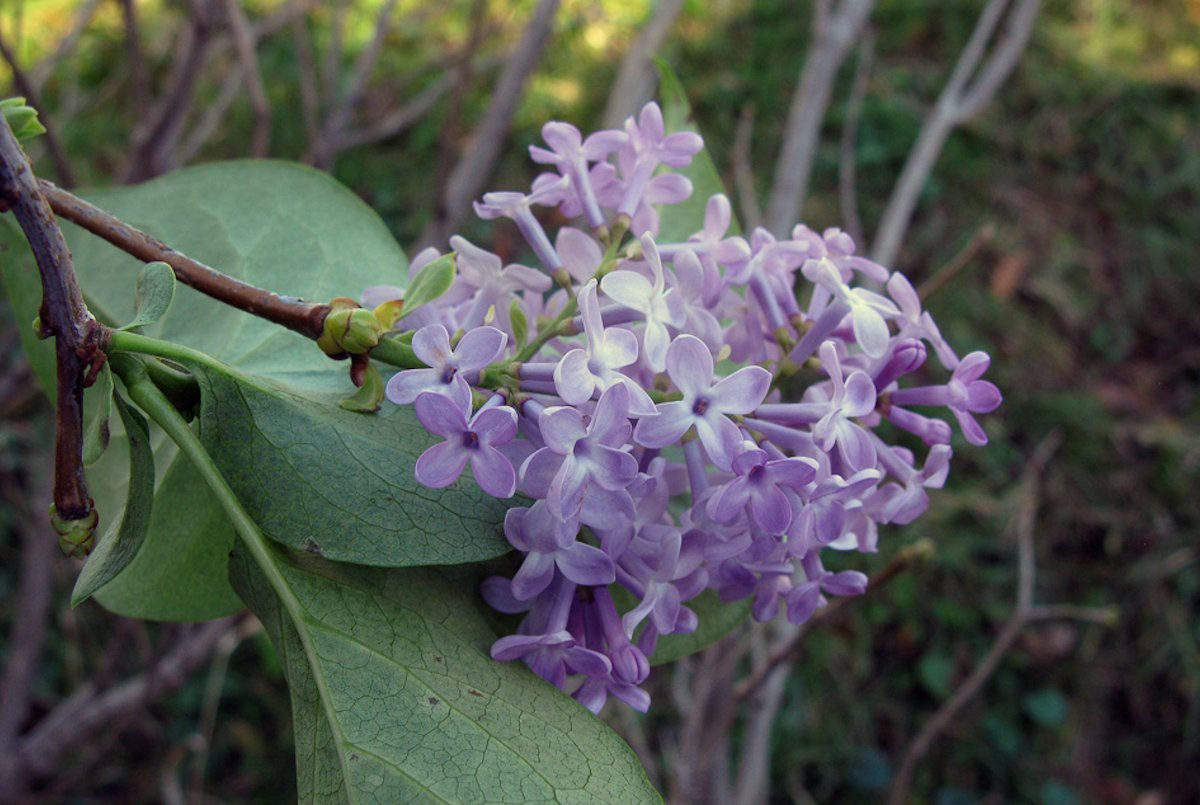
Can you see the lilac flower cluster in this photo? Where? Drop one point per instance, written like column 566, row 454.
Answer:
column 680, row 416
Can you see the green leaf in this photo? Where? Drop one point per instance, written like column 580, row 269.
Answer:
column 22, row 119
column 431, row 281
column 1048, row 707
column 369, row 396
column 935, row 672
column 98, row 433
column 520, row 324
column 680, row 221
column 717, row 619
column 120, row 544
column 338, row 484
column 395, row 698
column 276, row 225
column 155, row 290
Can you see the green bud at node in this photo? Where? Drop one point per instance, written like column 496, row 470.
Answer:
column 349, row 329
column 76, row 538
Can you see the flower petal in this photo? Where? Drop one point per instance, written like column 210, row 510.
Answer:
column 690, row 365
column 573, row 380
column 447, row 421
column 478, row 348
column 586, row 564
column 673, row 420
column 440, row 465
column 493, row 472
column 742, row 391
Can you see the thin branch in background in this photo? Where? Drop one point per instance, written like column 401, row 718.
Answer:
column 848, row 159
column 331, row 67
column 463, row 73
column 635, row 75
column 1024, row 610
column 754, row 760
column 783, row 652
column 475, row 166
column 982, row 237
column 310, row 100
column 28, row 634
column 700, row 769
column 959, row 102
column 833, row 32
column 245, row 44
column 402, row 117
column 80, row 717
column 339, row 115
column 743, row 170
column 41, row 72
column 139, row 76
column 214, row 114
column 218, row 668
column 32, row 97
column 155, row 137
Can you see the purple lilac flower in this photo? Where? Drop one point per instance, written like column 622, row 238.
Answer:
column 581, row 372
column 448, row 368
column 964, row 394
column 658, row 305
column 732, row 484
column 535, row 531
column 705, row 404
column 580, row 457
column 475, row 441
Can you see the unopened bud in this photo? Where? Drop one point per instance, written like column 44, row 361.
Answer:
column 76, row 538
column 349, row 329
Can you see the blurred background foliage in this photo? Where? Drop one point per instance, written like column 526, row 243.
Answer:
column 1061, row 229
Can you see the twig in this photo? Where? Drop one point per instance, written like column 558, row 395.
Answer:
column 700, row 772
column 833, row 32
column 306, row 318
column 464, row 70
column 32, row 96
column 958, row 103
column 139, row 77
column 982, row 237
column 25, row 641
column 310, row 101
column 155, row 138
column 401, row 118
column 245, row 42
column 1024, row 524
column 905, row 557
column 40, row 74
column 754, row 760
column 63, row 315
column 847, row 163
column 635, row 75
column 743, row 172
column 339, row 115
column 213, row 116
column 476, row 164
column 41, row 752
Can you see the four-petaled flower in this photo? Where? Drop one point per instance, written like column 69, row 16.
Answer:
column 448, row 367
column 475, row 441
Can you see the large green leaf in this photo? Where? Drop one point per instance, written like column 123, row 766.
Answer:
column 339, row 484
column 395, row 698
column 680, row 221
column 292, row 230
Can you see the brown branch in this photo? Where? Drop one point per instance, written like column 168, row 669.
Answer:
column 982, row 237
column 743, row 172
column 635, row 76
column 33, row 597
column 63, row 315
column 833, row 32
column 306, row 318
column 903, row 559
column 139, row 76
column 310, row 101
column 75, row 722
column 473, row 169
column 245, row 42
column 958, row 102
column 1023, row 526
column 24, row 86
column 848, row 160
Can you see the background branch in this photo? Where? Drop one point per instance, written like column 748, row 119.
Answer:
column 833, row 32
column 635, row 76
column 475, row 166
column 959, row 101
